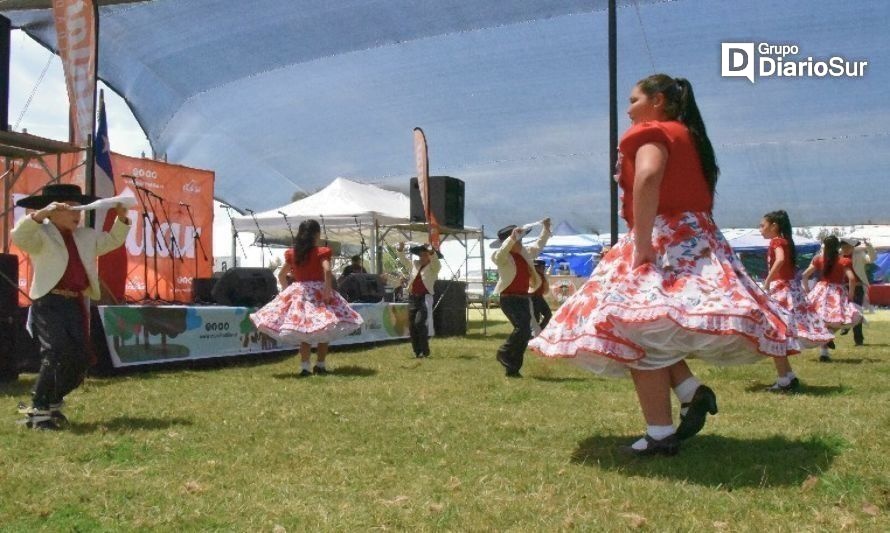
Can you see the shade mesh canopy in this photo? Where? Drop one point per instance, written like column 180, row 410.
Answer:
column 284, row 95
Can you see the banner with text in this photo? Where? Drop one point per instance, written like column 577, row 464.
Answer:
column 138, row 335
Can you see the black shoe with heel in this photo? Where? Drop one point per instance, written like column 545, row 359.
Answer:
column 703, row 402
column 668, row 446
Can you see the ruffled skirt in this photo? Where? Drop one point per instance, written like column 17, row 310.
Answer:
column 695, row 300
column 299, row 314
column 805, row 321
column 833, row 305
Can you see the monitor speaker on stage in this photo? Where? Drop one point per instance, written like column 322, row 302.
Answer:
column 202, row 290
column 245, row 287
column 446, row 201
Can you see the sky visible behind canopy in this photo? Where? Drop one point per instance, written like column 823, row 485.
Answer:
column 280, row 96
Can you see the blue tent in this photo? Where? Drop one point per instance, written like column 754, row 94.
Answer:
column 579, row 252
column 882, row 268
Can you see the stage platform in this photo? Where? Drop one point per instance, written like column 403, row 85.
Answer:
column 148, row 334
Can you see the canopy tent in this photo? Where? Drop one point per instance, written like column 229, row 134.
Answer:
column 578, row 251
column 507, row 92
column 882, row 268
column 346, row 209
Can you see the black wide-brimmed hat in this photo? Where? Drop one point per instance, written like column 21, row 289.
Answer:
column 58, row 192
column 504, row 233
column 420, row 248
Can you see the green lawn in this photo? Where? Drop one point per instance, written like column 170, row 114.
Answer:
column 392, row 443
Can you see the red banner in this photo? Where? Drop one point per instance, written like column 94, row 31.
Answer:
column 421, row 159
column 157, row 267
column 76, row 35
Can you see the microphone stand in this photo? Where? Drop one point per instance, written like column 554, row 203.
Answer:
column 235, row 234
column 145, row 223
column 290, row 230
column 262, row 238
column 157, row 235
column 174, row 247
column 196, row 236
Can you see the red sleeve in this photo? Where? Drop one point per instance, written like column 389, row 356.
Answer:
column 845, row 262
column 817, row 262
column 644, row 133
column 323, row 253
column 289, row 256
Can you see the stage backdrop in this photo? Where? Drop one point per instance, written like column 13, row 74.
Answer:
column 147, row 246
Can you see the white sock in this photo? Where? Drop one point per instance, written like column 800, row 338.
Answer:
column 657, row 433
column 824, row 350
column 304, row 365
column 319, row 364
column 686, row 390
column 784, row 381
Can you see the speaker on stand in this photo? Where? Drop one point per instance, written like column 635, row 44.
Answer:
column 446, row 201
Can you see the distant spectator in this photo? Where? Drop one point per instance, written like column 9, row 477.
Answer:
column 354, row 267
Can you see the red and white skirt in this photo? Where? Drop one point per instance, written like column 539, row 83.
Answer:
column 299, row 314
column 695, row 300
column 811, row 329
column 833, row 305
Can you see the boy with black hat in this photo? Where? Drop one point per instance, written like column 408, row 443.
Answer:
column 517, row 277
column 65, row 275
column 421, row 285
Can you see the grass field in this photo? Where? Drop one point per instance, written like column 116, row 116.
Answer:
column 388, row 442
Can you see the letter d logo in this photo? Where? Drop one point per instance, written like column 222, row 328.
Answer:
column 737, row 60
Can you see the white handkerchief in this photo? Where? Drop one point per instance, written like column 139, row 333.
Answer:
column 108, row 203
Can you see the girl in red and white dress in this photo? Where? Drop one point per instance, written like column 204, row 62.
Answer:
column 832, row 297
column 672, row 287
column 783, row 287
column 308, row 310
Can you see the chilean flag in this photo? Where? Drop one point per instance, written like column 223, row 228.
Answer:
column 113, row 265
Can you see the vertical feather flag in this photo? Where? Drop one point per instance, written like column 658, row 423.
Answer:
column 421, row 158
column 77, row 36
column 113, row 265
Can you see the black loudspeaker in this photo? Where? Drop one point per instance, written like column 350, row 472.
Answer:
column 446, row 201
column 450, row 308
column 9, row 315
column 245, row 287
column 202, row 290
column 367, row 288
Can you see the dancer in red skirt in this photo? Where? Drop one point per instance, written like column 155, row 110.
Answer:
column 672, row 287
column 783, row 287
column 832, row 297
column 309, row 310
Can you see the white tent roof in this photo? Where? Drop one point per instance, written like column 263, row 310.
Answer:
column 341, row 207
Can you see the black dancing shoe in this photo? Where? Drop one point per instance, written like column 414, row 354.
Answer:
column 304, row 373
column 667, row 446
column 513, row 374
column 704, row 402
column 830, row 345
column 845, row 331
column 320, row 370
column 790, row 387
column 825, row 358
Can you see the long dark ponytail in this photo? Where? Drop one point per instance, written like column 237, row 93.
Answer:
column 305, row 240
column 679, row 104
column 830, row 246
column 780, row 218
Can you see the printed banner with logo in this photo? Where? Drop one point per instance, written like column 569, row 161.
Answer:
column 138, row 335
column 76, row 29
column 157, row 267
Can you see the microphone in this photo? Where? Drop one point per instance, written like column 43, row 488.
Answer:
column 183, row 204
column 129, row 177
column 282, row 213
column 248, row 210
column 225, row 206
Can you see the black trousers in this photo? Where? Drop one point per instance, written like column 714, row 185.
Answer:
column 858, row 298
column 541, row 310
column 418, row 314
column 58, row 324
column 511, row 353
